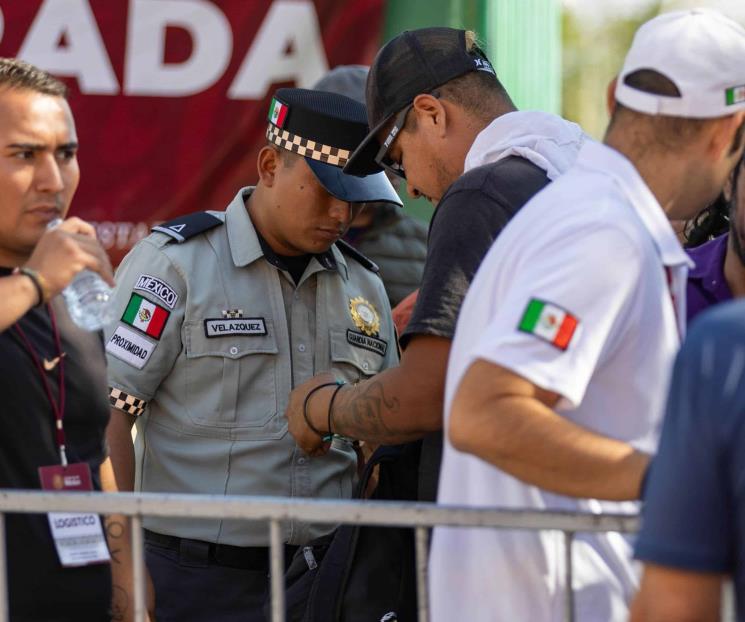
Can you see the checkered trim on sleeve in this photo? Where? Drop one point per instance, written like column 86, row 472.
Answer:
column 305, row 147
column 125, row 402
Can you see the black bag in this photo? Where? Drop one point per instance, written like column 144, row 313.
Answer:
column 361, row 573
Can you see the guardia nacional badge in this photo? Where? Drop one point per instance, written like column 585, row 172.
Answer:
column 364, row 316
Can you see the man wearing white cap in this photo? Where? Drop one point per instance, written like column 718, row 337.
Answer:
column 556, row 380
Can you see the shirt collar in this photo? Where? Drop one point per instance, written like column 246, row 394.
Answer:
column 244, row 243
column 607, row 161
column 246, row 247
column 709, row 259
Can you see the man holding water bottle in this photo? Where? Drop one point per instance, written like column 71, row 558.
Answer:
column 53, row 417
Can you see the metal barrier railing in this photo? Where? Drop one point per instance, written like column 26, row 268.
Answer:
column 274, row 510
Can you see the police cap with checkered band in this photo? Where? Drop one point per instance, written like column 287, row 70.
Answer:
column 326, row 128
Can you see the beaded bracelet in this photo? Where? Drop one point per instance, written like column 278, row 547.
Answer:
column 325, row 437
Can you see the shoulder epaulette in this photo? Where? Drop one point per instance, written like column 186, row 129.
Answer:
column 351, row 251
column 184, row 227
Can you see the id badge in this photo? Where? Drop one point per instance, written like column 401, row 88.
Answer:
column 78, row 538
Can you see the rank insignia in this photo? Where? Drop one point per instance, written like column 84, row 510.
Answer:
column 232, row 314
column 364, row 316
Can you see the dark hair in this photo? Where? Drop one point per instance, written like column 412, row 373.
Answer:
column 709, row 223
column 288, row 157
column 18, row 74
column 478, row 93
column 714, row 220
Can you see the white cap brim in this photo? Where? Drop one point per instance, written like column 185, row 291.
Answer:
column 701, row 51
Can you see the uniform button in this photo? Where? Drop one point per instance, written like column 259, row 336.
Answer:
column 301, row 460
column 301, row 347
column 365, row 365
column 234, row 350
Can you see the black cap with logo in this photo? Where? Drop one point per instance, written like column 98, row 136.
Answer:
column 414, row 62
column 326, row 128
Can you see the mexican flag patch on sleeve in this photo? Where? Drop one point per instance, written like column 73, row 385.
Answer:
column 145, row 316
column 549, row 322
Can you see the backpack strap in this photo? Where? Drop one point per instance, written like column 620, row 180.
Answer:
column 326, row 596
column 182, row 228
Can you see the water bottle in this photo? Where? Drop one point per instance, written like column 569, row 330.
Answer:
column 88, row 297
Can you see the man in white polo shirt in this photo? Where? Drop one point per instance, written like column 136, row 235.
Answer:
column 561, row 357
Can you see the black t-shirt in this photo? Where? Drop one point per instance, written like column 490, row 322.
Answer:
column 40, row 588
column 465, row 224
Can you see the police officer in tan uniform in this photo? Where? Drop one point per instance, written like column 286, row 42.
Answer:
column 222, row 314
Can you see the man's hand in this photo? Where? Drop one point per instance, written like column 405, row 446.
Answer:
column 317, row 411
column 64, row 251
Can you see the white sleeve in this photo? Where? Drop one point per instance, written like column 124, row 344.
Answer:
column 567, row 302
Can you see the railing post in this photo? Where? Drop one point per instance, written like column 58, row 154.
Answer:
column 568, row 572
column 138, row 570
column 277, row 570
column 4, row 614
column 728, row 601
column 422, row 561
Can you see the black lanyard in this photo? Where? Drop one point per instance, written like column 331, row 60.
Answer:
column 58, row 405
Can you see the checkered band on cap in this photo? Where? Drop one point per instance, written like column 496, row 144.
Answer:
column 307, row 148
column 126, row 403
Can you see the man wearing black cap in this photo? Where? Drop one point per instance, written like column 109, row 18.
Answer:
column 222, row 313
column 395, row 241
column 437, row 109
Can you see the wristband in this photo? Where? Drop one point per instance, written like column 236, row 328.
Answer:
column 325, row 437
column 339, row 385
column 40, row 283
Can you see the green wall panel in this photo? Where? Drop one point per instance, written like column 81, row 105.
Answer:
column 523, row 40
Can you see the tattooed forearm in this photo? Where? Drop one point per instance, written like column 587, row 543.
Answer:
column 119, row 603
column 360, row 412
column 114, row 536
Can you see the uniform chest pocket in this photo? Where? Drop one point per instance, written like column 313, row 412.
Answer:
column 354, row 355
column 231, row 380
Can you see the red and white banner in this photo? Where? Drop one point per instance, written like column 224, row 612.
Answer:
column 171, row 97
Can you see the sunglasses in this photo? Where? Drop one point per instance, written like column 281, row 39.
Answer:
column 382, row 158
